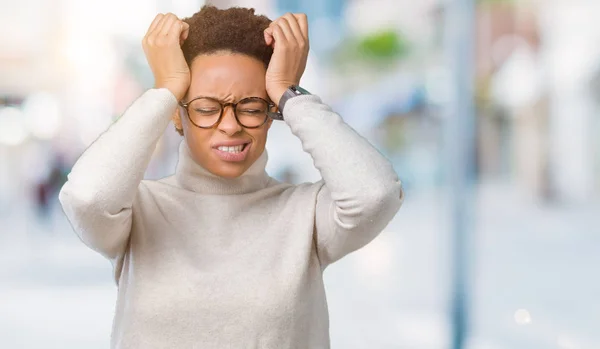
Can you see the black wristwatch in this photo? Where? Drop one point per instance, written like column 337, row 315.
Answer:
column 291, row 92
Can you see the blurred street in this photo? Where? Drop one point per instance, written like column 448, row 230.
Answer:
column 56, row 293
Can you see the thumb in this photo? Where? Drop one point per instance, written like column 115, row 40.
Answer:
column 268, row 36
column 185, row 31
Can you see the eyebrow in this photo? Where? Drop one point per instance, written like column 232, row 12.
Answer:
column 267, row 98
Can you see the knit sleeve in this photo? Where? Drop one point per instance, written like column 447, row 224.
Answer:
column 361, row 191
column 99, row 193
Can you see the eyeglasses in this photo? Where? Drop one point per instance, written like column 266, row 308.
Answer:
column 251, row 112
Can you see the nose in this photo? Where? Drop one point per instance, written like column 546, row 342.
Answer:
column 229, row 124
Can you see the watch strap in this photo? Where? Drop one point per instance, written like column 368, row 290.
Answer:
column 291, row 92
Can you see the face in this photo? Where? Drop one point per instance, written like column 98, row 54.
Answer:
column 229, row 78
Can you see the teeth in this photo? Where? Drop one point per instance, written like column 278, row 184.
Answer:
column 236, row 149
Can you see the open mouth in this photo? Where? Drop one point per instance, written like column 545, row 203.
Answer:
column 233, row 149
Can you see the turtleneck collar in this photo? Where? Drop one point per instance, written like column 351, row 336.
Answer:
column 194, row 177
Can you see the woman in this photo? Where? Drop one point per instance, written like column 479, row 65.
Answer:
column 221, row 255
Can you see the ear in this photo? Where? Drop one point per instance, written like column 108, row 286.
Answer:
column 176, row 118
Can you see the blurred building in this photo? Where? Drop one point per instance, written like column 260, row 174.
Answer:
column 536, row 109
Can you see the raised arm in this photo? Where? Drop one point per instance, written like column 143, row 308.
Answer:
column 99, row 193
column 100, row 189
column 361, row 193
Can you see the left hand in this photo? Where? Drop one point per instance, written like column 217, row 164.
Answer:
column 289, row 37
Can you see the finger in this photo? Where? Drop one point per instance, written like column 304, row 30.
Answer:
column 153, row 33
column 286, row 29
column 175, row 33
column 276, row 34
column 303, row 23
column 158, row 28
column 184, row 33
column 295, row 27
column 268, row 36
column 279, row 38
column 167, row 27
column 155, row 22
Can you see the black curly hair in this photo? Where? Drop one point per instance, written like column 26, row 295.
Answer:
column 237, row 30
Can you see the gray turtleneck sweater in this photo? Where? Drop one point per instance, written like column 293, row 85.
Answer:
column 208, row 262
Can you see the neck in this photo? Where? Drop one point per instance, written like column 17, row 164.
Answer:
column 192, row 176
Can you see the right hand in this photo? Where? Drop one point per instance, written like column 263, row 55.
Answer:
column 162, row 46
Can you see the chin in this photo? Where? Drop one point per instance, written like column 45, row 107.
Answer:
column 230, row 175
column 229, row 170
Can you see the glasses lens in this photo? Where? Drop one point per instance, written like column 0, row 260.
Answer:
column 204, row 112
column 252, row 112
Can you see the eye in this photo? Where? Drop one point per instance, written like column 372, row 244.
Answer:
column 206, row 111
column 252, row 111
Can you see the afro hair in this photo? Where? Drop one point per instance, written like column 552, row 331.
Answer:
column 237, row 30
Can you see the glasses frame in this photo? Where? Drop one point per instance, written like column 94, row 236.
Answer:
column 276, row 115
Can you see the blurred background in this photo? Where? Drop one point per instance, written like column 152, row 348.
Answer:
column 487, row 109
